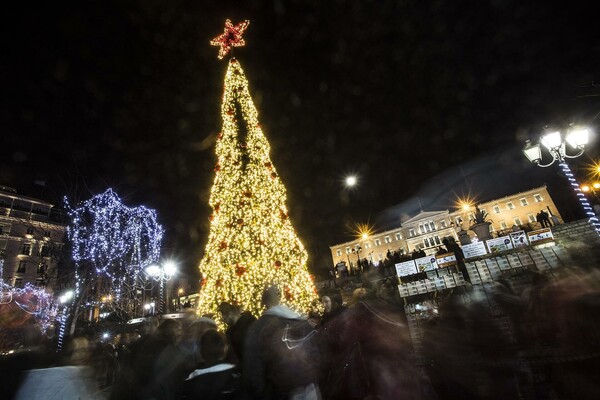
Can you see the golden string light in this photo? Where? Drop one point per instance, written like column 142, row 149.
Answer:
column 252, row 243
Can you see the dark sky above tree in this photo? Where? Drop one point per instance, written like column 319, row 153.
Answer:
column 127, row 95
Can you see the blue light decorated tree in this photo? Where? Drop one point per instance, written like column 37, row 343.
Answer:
column 111, row 245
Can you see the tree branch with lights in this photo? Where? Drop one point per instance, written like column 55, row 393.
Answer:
column 111, row 244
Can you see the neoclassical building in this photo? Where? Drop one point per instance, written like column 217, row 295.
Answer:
column 31, row 236
column 427, row 229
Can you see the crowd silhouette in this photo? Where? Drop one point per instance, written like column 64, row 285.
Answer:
column 360, row 348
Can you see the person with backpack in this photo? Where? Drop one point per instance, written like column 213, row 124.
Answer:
column 281, row 359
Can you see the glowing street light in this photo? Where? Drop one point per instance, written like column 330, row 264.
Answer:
column 554, row 142
column 65, row 297
column 351, row 181
column 162, row 273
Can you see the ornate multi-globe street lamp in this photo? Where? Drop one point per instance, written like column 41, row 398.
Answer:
column 556, row 145
column 162, row 273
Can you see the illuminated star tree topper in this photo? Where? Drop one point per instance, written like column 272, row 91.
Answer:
column 252, row 243
column 231, row 37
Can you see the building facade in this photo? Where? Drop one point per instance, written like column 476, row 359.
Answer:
column 426, row 230
column 31, row 237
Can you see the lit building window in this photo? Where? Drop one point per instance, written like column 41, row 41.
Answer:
column 517, row 220
column 503, row 225
column 432, row 226
column 443, row 223
column 426, row 242
column 22, row 268
column 387, row 239
column 510, row 205
column 538, row 198
column 367, row 245
column 411, row 232
column 398, row 236
column 339, row 252
column 523, row 201
column 26, row 249
column 377, row 242
column 347, row 250
column 437, row 240
column 531, row 218
column 496, row 209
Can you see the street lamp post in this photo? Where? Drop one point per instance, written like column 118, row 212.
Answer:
column 357, row 250
column 162, row 273
column 556, row 145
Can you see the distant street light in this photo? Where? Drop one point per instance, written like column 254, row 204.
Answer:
column 351, row 181
column 65, row 297
column 162, row 273
column 149, row 307
column 593, row 187
column 556, row 145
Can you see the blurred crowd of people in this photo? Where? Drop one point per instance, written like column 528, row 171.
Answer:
column 359, row 349
column 338, row 351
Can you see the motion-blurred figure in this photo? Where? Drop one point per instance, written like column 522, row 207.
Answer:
column 238, row 323
column 214, row 379
column 280, row 361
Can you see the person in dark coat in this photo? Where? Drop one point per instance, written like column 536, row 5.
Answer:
column 238, row 323
column 275, row 366
column 329, row 340
column 453, row 247
column 214, row 379
column 544, row 219
column 371, row 358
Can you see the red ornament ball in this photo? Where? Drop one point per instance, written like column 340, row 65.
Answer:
column 240, row 270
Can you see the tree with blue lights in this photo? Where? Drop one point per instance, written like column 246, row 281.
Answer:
column 111, row 244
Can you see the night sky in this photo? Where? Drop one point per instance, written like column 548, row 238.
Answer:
column 419, row 98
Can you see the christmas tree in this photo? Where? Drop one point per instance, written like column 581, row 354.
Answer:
column 252, row 243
